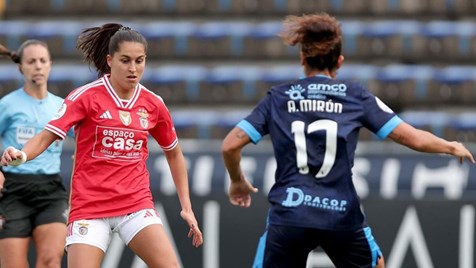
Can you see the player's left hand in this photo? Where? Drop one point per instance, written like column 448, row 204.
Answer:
column 194, row 232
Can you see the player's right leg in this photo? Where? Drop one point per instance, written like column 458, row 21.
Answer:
column 14, row 252
column 83, row 255
column 87, row 242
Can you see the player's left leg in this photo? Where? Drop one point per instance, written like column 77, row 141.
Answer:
column 153, row 246
column 145, row 235
column 354, row 249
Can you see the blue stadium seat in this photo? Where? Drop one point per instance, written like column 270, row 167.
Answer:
column 10, row 78
column 176, row 83
column 230, row 84
column 168, row 38
column 351, row 31
column 64, row 78
column 362, row 73
column 463, row 127
column 438, row 38
column 403, row 83
column 219, row 39
column 60, row 35
column 453, row 85
column 264, row 42
column 194, row 123
column 389, row 38
column 433, row 121
column 12, row 33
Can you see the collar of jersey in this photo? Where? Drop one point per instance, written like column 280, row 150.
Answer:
column 317, row 75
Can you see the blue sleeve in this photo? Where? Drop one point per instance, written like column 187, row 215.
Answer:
column 4, row 117
column 255, row 125
column 389, row 127
column 251, row 131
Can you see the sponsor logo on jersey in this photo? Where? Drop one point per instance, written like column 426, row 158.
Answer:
column 296, row 197
column 143, row 117
column 119, row 143
column 319, row 91
column 295, row 92
column 125, row 117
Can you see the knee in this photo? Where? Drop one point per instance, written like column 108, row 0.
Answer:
column 49, row 259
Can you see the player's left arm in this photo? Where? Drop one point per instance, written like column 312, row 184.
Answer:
column 178, row 169
column 424, row 141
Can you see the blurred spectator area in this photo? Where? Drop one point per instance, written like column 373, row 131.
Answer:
column 408, row 41
column 242, row 8
column 212, row 60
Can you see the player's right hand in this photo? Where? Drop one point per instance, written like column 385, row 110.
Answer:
column 13, row 157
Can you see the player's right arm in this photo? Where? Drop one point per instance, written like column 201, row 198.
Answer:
column 424, row 141
column 240, row 188
column 34, row 147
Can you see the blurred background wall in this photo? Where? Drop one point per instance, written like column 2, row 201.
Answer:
column 212, row 60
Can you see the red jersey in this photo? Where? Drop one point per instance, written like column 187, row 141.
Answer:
column 110, row 176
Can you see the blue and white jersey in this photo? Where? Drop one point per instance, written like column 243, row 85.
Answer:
column 314, row 126
column 21, row 118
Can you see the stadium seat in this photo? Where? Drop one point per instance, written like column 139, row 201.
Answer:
column 272, row 76
column 438, row 39
column 168, row 39
column 178, row 84
column 65, row 78
column 12, row 33
column 60, row 35
column 10, row 78
column 362, row 73
column 263, row 42
column 453, row 85
column 397, row 7
column 230, row 84
column 402, row 86
column 219, row 39
column 434, row 121
column 463, row 127
column 194, row 123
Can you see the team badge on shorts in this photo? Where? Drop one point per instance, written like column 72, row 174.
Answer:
column 83, row 228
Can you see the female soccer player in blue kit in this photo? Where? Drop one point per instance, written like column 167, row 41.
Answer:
column 314, row 125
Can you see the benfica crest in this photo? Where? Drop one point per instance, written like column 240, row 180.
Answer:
column 125, row 118
column 143, row 115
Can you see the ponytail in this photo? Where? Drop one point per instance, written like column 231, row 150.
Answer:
column 97, row 42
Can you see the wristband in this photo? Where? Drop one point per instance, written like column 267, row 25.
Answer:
column 18, row 161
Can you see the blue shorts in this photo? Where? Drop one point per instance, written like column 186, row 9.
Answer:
column 288, row 246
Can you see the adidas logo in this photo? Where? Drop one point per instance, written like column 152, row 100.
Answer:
column 148, row 214
column 106, row 115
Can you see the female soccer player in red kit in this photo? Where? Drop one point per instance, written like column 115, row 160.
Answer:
column 113, row 117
